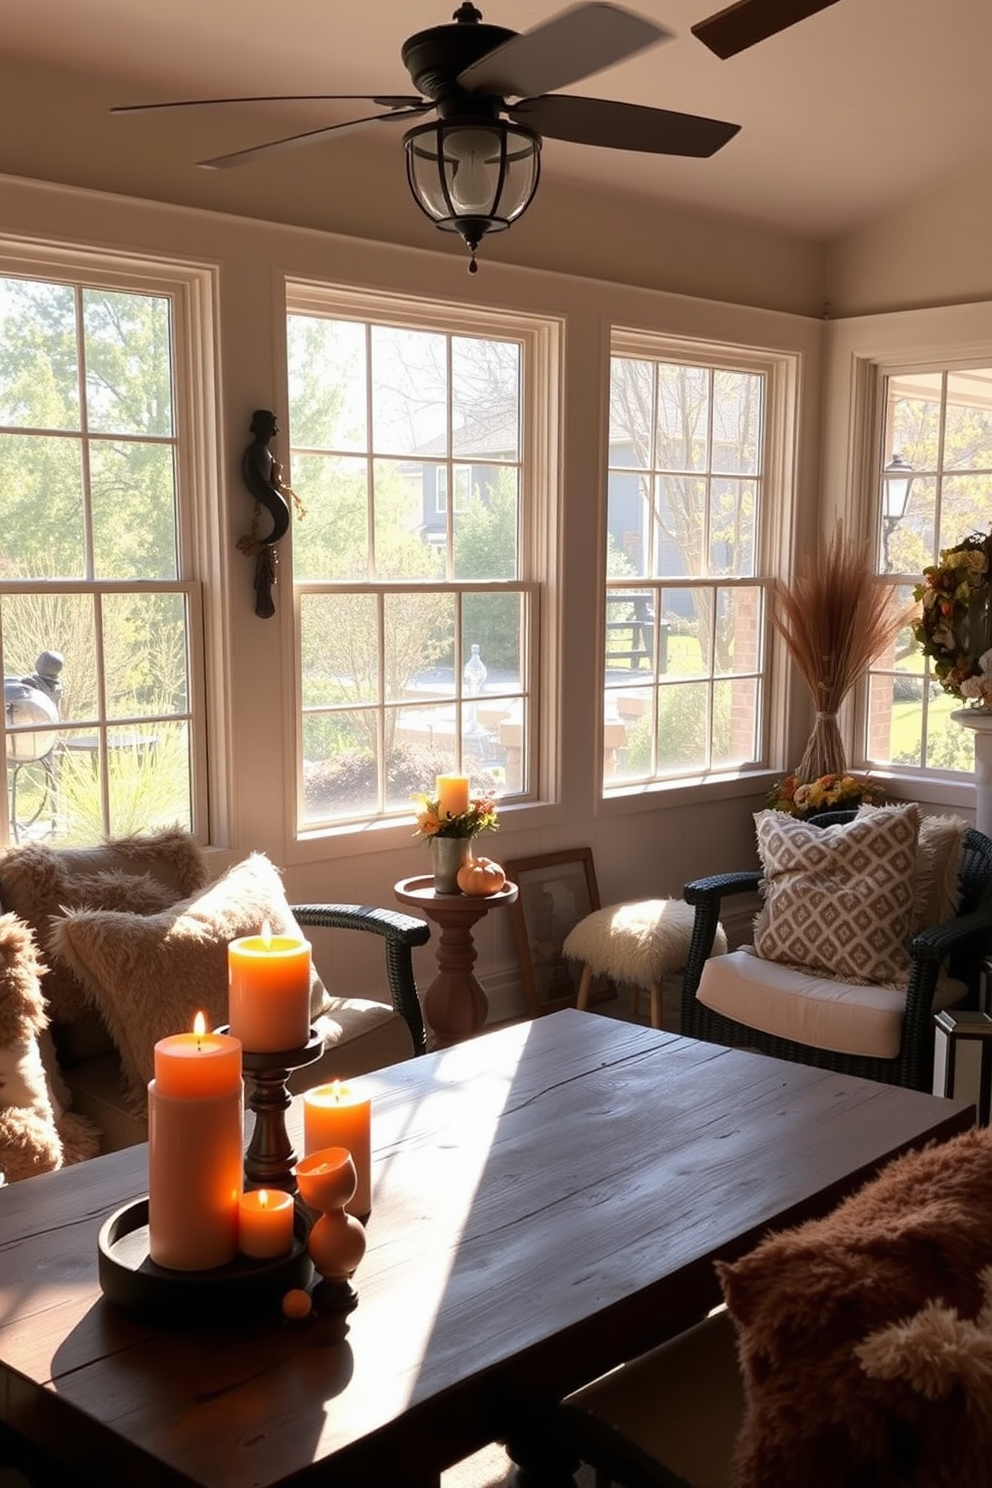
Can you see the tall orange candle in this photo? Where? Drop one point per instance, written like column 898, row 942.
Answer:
column 269, row 992
column 195, row 1150
column 452, row 795
column 334, row 1116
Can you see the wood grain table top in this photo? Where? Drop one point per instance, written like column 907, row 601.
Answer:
column 548, row 1199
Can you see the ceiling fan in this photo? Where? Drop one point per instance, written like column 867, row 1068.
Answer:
column 475, row 169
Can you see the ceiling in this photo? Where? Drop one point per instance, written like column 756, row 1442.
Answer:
column 857, row 108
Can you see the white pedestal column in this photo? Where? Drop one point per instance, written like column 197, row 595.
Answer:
column 981, row 722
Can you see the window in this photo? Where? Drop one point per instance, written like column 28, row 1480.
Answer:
column 418, row 616
column 99, row 607
column 685, row 602
column 932, row 479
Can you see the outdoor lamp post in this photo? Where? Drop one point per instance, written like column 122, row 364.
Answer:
column 896, row 484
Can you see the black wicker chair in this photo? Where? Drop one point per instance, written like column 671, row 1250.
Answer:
column 400, row 932
column 958, row 946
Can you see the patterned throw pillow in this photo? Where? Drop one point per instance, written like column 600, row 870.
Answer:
column 839, row 899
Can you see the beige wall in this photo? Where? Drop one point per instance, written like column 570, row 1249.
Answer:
column 644, row 845
column 55, row 125
column 934, row 250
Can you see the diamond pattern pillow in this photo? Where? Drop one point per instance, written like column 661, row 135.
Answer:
column 839, row 899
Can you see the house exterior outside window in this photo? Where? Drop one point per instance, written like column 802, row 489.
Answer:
column 101, row 624
column 684, row 662
column 401, row 591
column 932, row 485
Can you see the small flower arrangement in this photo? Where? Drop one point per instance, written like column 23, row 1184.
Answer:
column 952, row 627
column 829, row 793
column 480, row 817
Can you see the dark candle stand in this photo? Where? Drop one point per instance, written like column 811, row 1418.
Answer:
column 270, row 1159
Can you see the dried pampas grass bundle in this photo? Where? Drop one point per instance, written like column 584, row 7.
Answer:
column 835, row 616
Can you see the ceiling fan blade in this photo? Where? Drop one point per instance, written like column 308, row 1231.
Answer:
column 400, row 101
column 749, row 21
column 571, row 46
column 623, row 126
column 310, row 137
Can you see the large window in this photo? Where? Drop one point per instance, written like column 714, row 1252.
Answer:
column 417, row 613
column 685, row 603
column 99, row 608
column 933, row 479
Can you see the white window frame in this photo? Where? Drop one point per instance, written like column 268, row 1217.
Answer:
column 541, row 338
column 779, row 528
column 192, row 290
column 860, row 353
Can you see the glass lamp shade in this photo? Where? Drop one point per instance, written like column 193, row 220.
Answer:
column 472, row 176
column 896, row 487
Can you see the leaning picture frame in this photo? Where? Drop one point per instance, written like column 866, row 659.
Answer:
column 556, row 891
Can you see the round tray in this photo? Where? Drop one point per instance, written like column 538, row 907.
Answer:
column 131, row 1279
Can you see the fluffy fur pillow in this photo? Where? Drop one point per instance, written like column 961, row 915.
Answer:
column 829, row 1318
column 839, row 899
column 31, row 1140
column 149, row 975
column 139, row 874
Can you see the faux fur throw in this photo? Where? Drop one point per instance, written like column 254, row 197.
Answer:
column 864, row 1337
column 149, row 975
column 637, row 943
column 35, row 1135
column 140, row 874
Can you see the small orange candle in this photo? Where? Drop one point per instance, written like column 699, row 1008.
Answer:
column 265, row 1223
column 334, row 1116
column 452, row 795
column 195, row 1150
column 269, row 992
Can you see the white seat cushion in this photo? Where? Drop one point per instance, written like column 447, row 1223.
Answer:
column 818, row 1011
column 639, row 943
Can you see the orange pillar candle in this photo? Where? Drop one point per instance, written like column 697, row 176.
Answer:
column 452, row 795
column 195, row 1150
column 265, row 1223
column 269, row 992
column 333, row 1116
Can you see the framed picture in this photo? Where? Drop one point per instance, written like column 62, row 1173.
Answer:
column 557, row 890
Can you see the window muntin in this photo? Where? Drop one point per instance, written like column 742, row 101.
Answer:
column 94, row 569
column 939, row 422
column 683, row 655
column 396, row 584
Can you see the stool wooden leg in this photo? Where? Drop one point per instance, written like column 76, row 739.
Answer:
column 655, row 1005
column 585, row 982
column 635, row 1000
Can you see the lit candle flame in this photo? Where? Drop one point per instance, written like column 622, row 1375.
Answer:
column 266, row 934
column 263, row 1198
column 200, row 1025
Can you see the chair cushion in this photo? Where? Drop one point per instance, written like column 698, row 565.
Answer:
column 829, row 1325
column 839, row 899
column 639, row 943
column 149, row 975
column 792, row 1002
column 936, row 880
column 138, row 874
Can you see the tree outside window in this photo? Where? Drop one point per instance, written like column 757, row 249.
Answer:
column 936, row 437
column 396, row 582
column 683, row 651
column 93, row 575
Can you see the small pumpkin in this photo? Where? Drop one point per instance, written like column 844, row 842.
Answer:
column 479, row 876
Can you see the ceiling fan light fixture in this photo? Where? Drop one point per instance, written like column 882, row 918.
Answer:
column 473, row 176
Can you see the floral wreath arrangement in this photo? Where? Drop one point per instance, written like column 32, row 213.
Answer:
column 953, row 625
column 481, row 816
column 829, row 793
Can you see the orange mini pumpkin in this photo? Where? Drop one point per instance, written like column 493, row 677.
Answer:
column 481, row 876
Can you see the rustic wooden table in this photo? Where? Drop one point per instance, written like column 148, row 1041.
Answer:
column 455, row 1003
column 547, row 1200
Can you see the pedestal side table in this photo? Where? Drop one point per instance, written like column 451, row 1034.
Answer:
column 455, row 1004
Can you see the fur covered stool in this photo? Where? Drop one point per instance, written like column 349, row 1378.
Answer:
column 636, row 945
